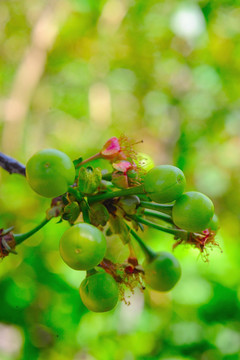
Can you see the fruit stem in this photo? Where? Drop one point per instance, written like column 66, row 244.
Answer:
column 19, row 238
column 109, row 195
column 91, row 272
column 148, row 252
column 131, row 250
column 107, row 177
column 167, row 209
column 158, row 215
column 176, row 232
column 94, row 157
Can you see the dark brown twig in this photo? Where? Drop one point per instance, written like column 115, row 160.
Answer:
column 11, row 165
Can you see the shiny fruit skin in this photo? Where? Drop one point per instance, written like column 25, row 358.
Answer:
column 164, row 183
column 82, row 246
column 214, row 224
column 99, row 292
column 49, row 172
column 163, row 272
column 193, row 211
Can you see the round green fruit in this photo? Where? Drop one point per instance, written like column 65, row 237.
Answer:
column 162, row 272
column 164, row 183
column 214, row 223
column 82, row 246
column 193, row 211
column 144, row 162
column 50, row 172
column 99, row 292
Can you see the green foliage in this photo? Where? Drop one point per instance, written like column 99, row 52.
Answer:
column 71, row 212
column 98, row 214
column 89, row 180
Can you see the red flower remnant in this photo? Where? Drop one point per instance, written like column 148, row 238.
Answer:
column 201, row 241
column 122, row 166
column 118, row 149
column 111, row 149
column 126, row 275
column 119, row 177
column 129, row 269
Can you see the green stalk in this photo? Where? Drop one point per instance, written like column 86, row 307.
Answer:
column 176, row 232
column 109, row 195
column 167, row 209
column 107, row 177
column 148, row 252
column 158, row 215
column 91, row 272
column 19, row 238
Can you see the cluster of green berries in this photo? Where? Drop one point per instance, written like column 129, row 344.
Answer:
column 192, row 210
column 134, row 185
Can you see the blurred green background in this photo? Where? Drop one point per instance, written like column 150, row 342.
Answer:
column 73, row 73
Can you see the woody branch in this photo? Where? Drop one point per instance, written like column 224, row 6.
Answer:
column 11, row 165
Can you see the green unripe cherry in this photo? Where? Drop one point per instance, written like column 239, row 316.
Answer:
column 99, row 292
column 214, row 223
column 193, row 211
column 162, row 272
column 50, row 172
column 164, row 183
column 82, row 246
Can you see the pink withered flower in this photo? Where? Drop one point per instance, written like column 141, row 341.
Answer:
column 122, row 166
column 118, row 149
column 119, row 176
column 111, row 149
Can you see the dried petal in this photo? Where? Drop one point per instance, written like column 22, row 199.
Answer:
column 122, row 166
column 111, row 148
